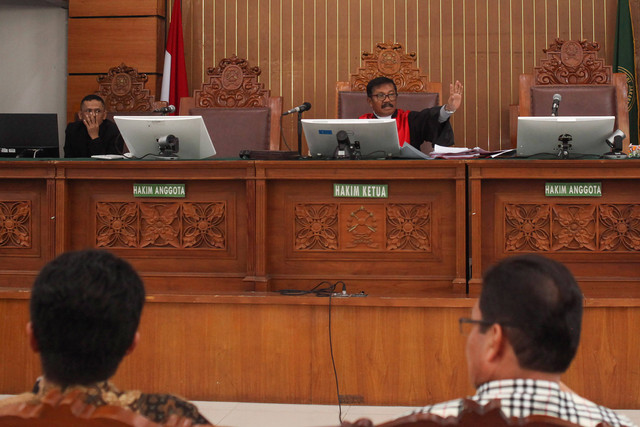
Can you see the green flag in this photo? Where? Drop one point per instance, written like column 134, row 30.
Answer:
column 624, row 62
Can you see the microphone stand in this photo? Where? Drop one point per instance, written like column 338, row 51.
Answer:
column 300, row 133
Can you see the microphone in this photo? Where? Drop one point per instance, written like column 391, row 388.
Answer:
column 556, row 103
column 165, row 110
column 299, row 109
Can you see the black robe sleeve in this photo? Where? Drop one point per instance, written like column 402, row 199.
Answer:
column 425, row 126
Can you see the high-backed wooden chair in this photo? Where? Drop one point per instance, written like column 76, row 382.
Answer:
column 58, row 410
column 124, row 93
column 240, row 114
column 415, row 90
column 472, row 415
column 587, row 86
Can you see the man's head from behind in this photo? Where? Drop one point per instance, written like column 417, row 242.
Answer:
column 381, row 96
column 85, row 311
column 535, row 305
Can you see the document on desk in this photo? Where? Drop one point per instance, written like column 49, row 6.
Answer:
column 108, row 156
column 440, row 152
column 408, row 151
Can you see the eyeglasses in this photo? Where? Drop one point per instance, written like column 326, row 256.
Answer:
column 466, row 324
column 382, row 96
column 93, row 110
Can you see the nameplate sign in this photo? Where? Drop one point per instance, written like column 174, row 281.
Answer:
column 367, row 191
column 573, row 189
column 159, row 190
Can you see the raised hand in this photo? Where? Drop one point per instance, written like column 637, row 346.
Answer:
column 455, row 96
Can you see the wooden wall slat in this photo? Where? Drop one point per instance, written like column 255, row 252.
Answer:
column 130, row 40
column 80, row 8
column 303, row 48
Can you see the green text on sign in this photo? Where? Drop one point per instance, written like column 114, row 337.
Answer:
column 369, row 191
column 159, row 190
column 573, row 189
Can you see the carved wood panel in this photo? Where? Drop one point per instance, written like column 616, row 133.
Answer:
column 390, row 60
column 571, row 227
column 161, row 225
column 369, row 227
column 15, row 224
column 232, row 84
column 123, row 89
column 572, row 62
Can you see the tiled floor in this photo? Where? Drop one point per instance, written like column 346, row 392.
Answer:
column 235, row 414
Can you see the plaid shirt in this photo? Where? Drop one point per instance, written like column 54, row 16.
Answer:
column 523, row 397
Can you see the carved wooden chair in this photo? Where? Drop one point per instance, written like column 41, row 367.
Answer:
column 124, row 93
column 472, row 415
column 415, row 90
column 58, row 410
column 240, row 114
column 587, row 86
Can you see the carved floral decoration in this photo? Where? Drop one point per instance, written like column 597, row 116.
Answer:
column 175, row 225
column 204, row 225
column 232, row 84
column 390, row 60
column 574, row 227
column 585, row 227
column 15, row 224
column 362, row 227
column 316, row 226
column 117, row 225
column 621, row 225
column 159, row 225
column 526, row 227
column 409, row 227
column 572, row 62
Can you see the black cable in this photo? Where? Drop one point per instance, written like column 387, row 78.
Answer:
column 284, row 138
column 333, row 362
column 327, row 291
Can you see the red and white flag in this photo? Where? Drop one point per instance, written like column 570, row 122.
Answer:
column 174, row 77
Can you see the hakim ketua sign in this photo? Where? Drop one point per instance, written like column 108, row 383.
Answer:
column 368, row 191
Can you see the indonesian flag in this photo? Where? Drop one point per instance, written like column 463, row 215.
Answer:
column 174, row 77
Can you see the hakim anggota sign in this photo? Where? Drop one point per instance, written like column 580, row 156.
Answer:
column 159, row 190
column 573, row 189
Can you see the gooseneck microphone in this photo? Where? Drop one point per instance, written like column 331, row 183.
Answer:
column 556, row 103
column 165, row 110
column 299, row 109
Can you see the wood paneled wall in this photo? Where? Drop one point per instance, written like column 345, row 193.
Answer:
column 106, row 34
column 305, row 47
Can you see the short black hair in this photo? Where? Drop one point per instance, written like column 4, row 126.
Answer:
column 92, row 97
column 541, row 301
column 85, row 310
column 379, row 81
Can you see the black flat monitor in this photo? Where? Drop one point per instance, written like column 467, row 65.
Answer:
column 29, row 135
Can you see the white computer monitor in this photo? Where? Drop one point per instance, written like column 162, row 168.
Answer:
column 141, row 134
column 539, row 135
column 378, row 138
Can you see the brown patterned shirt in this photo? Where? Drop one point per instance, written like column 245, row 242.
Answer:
column 156, row 407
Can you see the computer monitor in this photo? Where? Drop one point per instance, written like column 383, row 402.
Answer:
column 539, row 135
column 141, row 134
column 29, row 135
column 378, row 138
